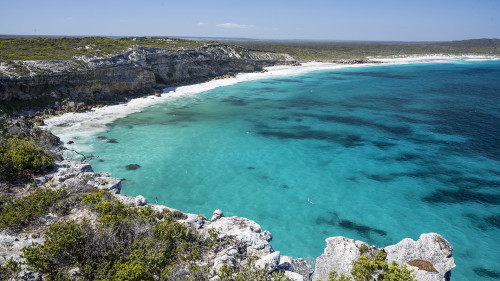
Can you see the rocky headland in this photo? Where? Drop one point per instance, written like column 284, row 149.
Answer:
column 136, row 72
column 69, row 86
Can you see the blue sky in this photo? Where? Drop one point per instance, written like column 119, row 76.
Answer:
column 402, row 20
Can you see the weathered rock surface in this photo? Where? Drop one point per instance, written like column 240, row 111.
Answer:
column 294, row 276
column 248, row 232
column 10, row 248
column 431, row 250
column 269, row 262
column 301, row 267
column 340, row 254
column 134, row 73
column 430, row 247
column 249, row 240
column 78, row 177
column 44, row 139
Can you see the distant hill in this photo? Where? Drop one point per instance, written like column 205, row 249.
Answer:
column 473, row 43
column 341, row 50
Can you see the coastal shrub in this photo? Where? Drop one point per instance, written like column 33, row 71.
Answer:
column 108, row 208
column 21, row 158
column 63, row 246
column 10, row 270
column 249, row 272
column 363, row 249
column 126, row 244
column 377, row 268
column 19, row 211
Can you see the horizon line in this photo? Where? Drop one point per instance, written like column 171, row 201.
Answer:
column 203, row 38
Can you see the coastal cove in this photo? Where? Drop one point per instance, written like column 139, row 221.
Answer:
column 379, row 153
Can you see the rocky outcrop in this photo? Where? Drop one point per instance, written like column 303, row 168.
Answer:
column 43, row 138
column 340, row 254
column 136, row 72
column 429, row 258
column 79, row 177
column 248, row 239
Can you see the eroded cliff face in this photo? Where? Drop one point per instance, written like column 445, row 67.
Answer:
column 136, row 72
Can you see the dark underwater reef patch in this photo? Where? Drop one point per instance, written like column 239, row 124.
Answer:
column 345, row 140
column 283, row 118
column 399, row 131
column 332, row 219
column 375, row 74
column 484, row 223
column 480, row 129
column 269, row 81
column 493, row 221
column 478, row 70
column 468, row 185
column 390, row 103
column 487, row 273
column 383, row 144
column 379, row 178
column 361, row 229
column 235, row 101
column 461, row 196
column 407, row 157
column 468, row 90
column 172, row 117
column 132, row 166
column 289, row 80
column 412, row 120
column 473, row 182
column 306, row 103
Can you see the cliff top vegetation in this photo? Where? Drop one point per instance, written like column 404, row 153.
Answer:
column 68, row 48
column 334, row 51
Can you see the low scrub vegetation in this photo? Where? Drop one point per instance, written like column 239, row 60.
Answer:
column 126, row 244
column 68, row 48
column 21, row 211
column 334, row 51
column 19, row 157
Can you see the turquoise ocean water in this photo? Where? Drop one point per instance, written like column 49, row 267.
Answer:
column 375, row 153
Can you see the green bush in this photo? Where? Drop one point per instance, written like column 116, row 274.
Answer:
column 249, row 272
column 63, row 246
column 126, row 244
column 10, row 270
column 20, row 158
column 19, row 211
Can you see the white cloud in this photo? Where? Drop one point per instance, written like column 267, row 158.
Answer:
column 234, row 25
column 202, row 23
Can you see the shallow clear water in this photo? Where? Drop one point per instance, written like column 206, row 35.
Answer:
column 377, row 153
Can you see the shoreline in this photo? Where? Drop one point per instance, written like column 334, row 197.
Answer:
column 95, row 121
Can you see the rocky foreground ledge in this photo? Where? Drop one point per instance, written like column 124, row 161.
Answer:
column 429, row 258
